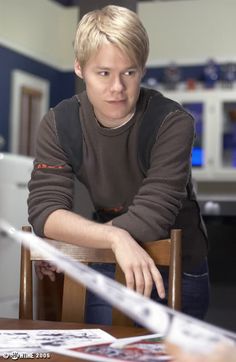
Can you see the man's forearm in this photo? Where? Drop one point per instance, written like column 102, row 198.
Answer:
column 67, row 226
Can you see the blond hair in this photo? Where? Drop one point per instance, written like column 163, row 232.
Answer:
column 117, row 25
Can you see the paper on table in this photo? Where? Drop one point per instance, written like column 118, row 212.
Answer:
column 38, row 340
column 148, row 348
column 154, row 316
column 123, row 342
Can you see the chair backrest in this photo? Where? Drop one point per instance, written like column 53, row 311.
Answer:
column 69, row 296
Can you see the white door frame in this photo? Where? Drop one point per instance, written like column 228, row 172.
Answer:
column 20, row 79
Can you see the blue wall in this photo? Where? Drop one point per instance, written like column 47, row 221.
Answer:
column 62, row 84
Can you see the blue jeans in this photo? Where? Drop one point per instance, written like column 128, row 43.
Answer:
column 195, row 294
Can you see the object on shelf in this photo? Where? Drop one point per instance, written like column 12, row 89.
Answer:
column 191, row 84
column 172, row 76
column 228, row 75
column 211, row 74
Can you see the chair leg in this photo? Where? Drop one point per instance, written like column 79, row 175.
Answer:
column 175, row 270
column 25, row 300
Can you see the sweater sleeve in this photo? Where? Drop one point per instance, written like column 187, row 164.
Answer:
column 52, row 180
column 158, row 201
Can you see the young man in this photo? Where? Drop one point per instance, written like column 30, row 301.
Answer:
column 133, row 204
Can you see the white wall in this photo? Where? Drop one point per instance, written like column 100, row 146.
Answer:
column 184, row 31
column 39, row 28
column 190, row 31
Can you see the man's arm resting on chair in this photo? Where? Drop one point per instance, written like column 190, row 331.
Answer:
column 139, row 269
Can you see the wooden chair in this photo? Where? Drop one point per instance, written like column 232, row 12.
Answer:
column 71, row 295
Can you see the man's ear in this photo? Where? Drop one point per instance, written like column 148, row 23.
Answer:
column 77, row 69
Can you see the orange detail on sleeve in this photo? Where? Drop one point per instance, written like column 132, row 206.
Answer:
column 44, row 165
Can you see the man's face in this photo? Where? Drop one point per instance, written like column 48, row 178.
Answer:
column 112, row 83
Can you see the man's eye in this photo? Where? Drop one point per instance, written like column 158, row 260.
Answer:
column 129, row 72
column 104, row 73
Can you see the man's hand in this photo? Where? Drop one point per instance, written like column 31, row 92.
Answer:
column 45, row 268
column 139, row 268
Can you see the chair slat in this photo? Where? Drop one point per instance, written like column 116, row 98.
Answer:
column 83, row 254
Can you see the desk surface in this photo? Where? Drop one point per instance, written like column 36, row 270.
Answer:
column 116, row 331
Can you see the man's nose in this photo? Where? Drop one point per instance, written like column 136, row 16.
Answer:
column 117, row 84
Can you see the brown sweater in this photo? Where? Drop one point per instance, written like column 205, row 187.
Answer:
column 148, row 207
